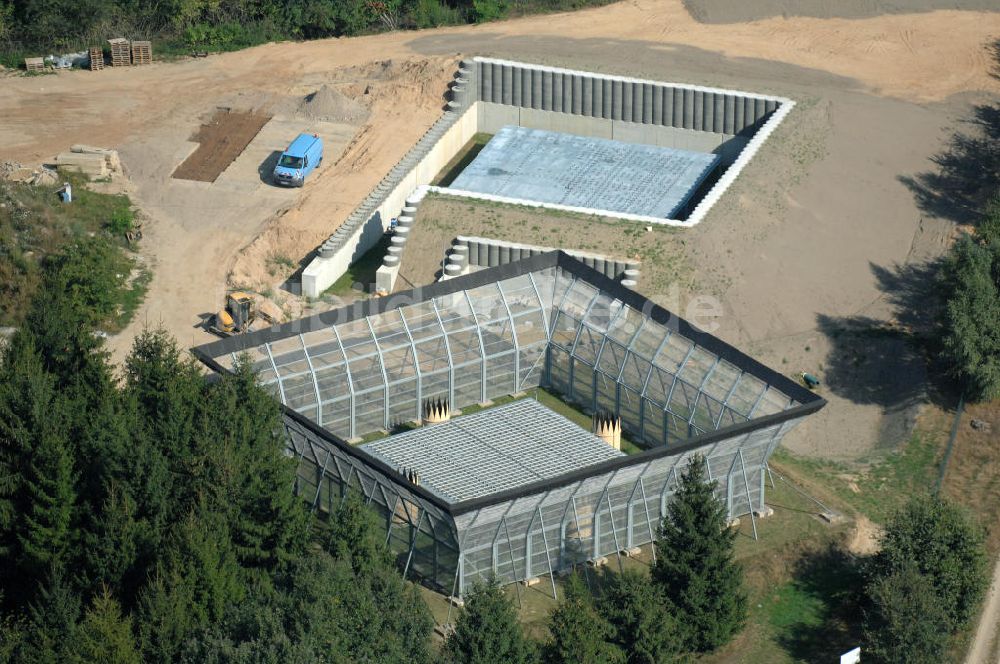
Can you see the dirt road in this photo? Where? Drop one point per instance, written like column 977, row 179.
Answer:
column 983, row 649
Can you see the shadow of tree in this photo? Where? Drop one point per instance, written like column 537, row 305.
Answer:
column 872, row 362
column 967, row 170
column 830, row 582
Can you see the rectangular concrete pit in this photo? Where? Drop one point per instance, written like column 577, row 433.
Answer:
column 566, row 169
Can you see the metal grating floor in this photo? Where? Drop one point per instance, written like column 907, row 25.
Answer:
column 493, row 450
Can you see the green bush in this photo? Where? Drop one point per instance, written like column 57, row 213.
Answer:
column 432, row 14
column 120, row 222
column 484, row 11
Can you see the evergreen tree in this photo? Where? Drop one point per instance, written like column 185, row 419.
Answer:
column 48, row 485
column 104, row 635
column 579, row 634
column 944, row 546
column 241, row 427
column 971, row 279
column 487, row 630
column 637, row 613
column 905, row 622
column 694, row 566
column 354, row 536
column 52, row 619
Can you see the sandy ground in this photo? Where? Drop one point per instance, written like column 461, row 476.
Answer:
column 983, row 650
column 727, row 11
column 801, row 245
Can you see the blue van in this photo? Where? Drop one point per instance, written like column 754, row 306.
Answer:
column 299, row 160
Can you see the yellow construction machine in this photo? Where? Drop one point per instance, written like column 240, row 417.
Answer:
column 238, row 315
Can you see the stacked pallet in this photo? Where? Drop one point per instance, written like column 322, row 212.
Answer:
column 34, row 64
column 96, row 58
column 142, row 52
column 121, row 55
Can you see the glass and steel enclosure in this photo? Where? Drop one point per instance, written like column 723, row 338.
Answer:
column 545, row 321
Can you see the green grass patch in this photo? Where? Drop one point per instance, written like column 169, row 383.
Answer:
column 35, row 226
column 360, row 275
column 461, row 160
column 885, row 483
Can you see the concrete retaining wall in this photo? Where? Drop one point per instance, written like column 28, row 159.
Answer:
column 488, row 93
column 368, row 222
column 470, row 252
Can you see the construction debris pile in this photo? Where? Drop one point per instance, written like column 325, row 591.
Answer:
column 124, row 53
column 12, row 171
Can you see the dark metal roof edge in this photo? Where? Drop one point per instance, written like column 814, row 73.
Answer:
column 674, row 322
column 377, row 305
column 351, row 450
column 541, row 486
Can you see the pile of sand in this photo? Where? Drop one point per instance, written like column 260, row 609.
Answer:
column 327, row 104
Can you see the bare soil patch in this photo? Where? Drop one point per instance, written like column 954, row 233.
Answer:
column 727, row 11
column 221, row 140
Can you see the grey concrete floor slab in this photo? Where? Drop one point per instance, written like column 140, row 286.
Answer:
column 580, row 171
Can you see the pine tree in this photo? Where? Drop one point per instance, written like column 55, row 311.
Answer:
column 247, row 472
column 637, row 613
column 579, row 634
column 48, row 485
column 354, row 536
column 905, row 621
column 944, row 546
column 971, row 279
column 694, row 566
column 104, row 635
column 487, row 630
column 52, row 619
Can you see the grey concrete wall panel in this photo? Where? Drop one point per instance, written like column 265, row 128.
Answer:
column 720, row 113
column 497, row 82
column 515, row 254
column 508, row 84
column 557, row 92
column 607, row 99
column 504, row 256
column 587, row 105
column 626, row 113
column 770, row 106
column 547, row 91
column 668, row 107
column 729, row 113
column 515, row 86
column 739, row 114
column 492, row 255
column 649, row 93
column 526, row 81
column 708, row 112
column 536, row 89
column 616, row 100
column 687, row 121
column 599, row 264
column 486, row 89
column 699, row 110
column 760, row 106
column 657, row 117
column 577, row 94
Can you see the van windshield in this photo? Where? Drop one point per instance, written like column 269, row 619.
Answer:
column 289, row 161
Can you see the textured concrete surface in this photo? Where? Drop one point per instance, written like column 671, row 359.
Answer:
column 566, row 169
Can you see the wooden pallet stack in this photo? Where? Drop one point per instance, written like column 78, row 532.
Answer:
column 121, row 55
column 34, row 64
column 142, row 52
column 96, row 58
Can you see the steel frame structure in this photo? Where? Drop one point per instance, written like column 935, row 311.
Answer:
column 545, row 321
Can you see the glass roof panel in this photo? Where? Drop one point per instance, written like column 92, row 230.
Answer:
column 422, row 320
column 520, row 294
column 578, row 298
column 624, row 327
